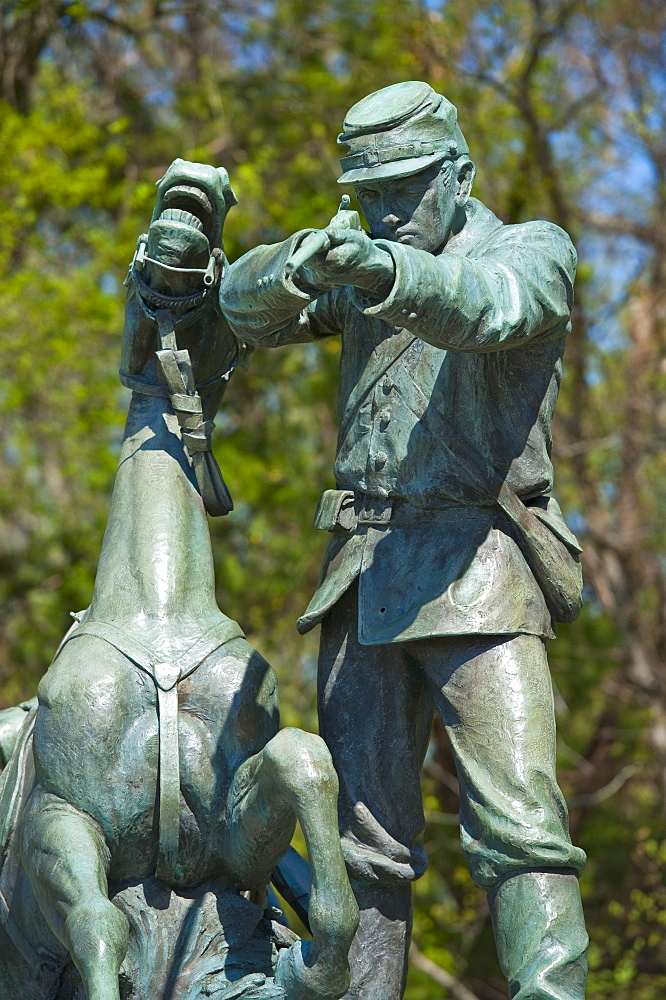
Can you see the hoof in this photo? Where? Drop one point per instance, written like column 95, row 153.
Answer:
column 302, row 982
column 291, row 972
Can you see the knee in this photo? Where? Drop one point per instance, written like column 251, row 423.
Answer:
column 301, row 761
column 53, row 827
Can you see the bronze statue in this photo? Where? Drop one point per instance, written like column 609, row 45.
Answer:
column 152, row 786
column 449, row 556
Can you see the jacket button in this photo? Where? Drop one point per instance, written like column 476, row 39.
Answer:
column 384, row 417
column 387, row 386
column 381, row 458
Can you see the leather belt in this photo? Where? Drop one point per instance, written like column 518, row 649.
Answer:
column 343, row 511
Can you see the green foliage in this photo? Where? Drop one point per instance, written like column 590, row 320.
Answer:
column 555, row 99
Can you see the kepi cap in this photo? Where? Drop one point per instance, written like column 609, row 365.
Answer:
column 398, row 131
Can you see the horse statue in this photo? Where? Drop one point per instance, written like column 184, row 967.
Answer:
column 151, row 792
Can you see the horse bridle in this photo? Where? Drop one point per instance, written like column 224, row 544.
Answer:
column 170, row 313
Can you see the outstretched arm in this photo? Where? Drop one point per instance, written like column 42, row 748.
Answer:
column 515, row 286
column 268, row 308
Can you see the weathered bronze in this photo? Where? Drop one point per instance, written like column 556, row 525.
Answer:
column 151, row 784
column 449, row 556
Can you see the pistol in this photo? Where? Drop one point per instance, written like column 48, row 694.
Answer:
column 318, row 241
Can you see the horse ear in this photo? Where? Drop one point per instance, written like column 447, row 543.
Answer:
column 230, row 198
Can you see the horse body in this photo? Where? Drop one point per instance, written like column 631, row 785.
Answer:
column 99, row 714
column 156, row 749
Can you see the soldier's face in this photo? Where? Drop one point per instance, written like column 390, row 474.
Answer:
column 417, row 211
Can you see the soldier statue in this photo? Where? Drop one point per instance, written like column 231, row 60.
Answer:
column 449, row 558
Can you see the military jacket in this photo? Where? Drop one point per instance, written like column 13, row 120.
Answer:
column 464, row 354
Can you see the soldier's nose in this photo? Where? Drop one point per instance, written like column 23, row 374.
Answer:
column 391, row 221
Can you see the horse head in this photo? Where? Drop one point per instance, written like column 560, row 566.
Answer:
column 174, row 276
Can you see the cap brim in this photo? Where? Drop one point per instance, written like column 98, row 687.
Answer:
column 392, row 170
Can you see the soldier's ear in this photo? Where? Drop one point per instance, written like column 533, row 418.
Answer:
column 465, row 174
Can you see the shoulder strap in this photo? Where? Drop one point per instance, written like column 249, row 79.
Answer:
column 488, row 481
column 556, row 568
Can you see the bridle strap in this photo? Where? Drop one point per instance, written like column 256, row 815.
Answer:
column 181, row 389
column 196, row 432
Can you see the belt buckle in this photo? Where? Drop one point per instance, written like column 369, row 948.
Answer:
column 373, row 511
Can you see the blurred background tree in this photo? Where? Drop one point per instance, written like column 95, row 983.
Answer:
column 563, row 104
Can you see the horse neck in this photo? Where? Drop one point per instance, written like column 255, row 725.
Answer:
column 156, row 566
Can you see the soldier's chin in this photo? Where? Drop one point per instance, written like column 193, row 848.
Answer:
column 389, row 235
column 407, row 239
column 416, row 240
column 419, row 242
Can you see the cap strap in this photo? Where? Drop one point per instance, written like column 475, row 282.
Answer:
column 373, row 155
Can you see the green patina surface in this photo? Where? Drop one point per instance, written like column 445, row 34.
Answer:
column 449, row 557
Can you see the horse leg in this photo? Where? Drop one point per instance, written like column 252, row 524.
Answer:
column 66, row 858
column 292, row 779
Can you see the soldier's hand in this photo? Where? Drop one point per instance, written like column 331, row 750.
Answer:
column 353, row 259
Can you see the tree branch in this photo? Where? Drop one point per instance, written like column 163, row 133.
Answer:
column 601, row 794
column 439, row 975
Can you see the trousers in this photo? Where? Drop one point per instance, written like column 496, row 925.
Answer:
column 494, row 696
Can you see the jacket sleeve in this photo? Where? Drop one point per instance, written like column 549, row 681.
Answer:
column 515, row 287
column 266, row 309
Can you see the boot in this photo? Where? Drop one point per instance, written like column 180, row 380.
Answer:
column 540, row 936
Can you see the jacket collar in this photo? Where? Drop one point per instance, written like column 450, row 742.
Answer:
column 480, row 222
